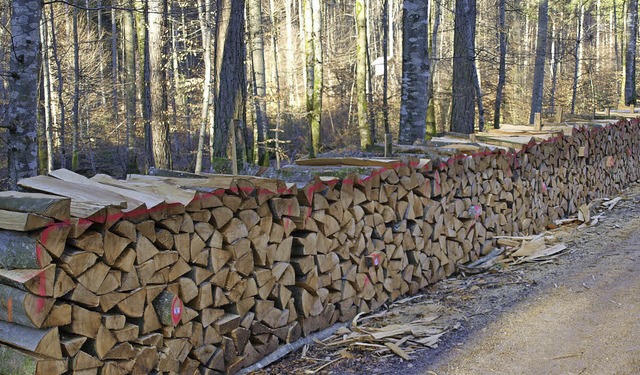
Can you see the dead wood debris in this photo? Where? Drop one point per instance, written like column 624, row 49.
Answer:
column 400, row 330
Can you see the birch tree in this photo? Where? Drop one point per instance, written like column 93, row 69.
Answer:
column 463, row 93
column 24, row 67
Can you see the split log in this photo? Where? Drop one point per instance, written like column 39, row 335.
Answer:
column 40, row 341
column 18, row 306
column 17, row 361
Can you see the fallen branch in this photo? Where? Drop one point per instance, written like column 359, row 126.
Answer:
column 292, row 347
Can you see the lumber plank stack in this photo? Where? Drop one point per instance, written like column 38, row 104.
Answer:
column 210, row 273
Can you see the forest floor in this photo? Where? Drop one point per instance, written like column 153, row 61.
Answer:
column 578, row 314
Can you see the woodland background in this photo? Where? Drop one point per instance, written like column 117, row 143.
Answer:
column 125, row 86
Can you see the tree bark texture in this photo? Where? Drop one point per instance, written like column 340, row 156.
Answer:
column 630, row 94
column 463, row 94
column 541, row 53
column 231, row 82
column 259, row 79
column 23, row 90
column 415, row 71
column 159, row 123
column 361, row 74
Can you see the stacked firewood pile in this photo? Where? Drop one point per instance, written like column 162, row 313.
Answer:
column 210, row 274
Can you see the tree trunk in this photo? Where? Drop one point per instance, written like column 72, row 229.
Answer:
column 462, row 105
column 130, row 87
column 259, row 79
column 231, row 82
column 159, row 123
column 630, row 95
column 541, row 53
column 46, row 85
column 433, row 49
column 318, row 73
column 205, row 28
column 385, row 72
column 478, row 88
column 294, row 94
column 276, row 72
column 576, row 56
column 114, row 67
column 555, row 46
column 56, row 59
column 307, row 25
column 23, row 90
column 502, row 69
column 76, row 90
column 145, row 94
column 361, row 75
column 415, row 71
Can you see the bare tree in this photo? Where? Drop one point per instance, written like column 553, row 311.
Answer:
column 259, row 79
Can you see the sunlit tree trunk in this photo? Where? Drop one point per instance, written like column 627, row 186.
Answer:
column 463, row 95
column 46, row 88
column 541, row 54
column 259, row 78
column 204, row 15
column 159, row 123
column 314, row 73
column 361, row 75
column 318, row 75
column 23, row 90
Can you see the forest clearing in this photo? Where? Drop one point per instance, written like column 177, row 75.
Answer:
column 354, row 186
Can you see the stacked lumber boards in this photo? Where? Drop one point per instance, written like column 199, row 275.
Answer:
column 208, row 274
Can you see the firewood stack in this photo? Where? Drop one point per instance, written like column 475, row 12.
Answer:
column 208, row 274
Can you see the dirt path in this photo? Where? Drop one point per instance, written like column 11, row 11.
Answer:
column 587, row 322
column 578, row 315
